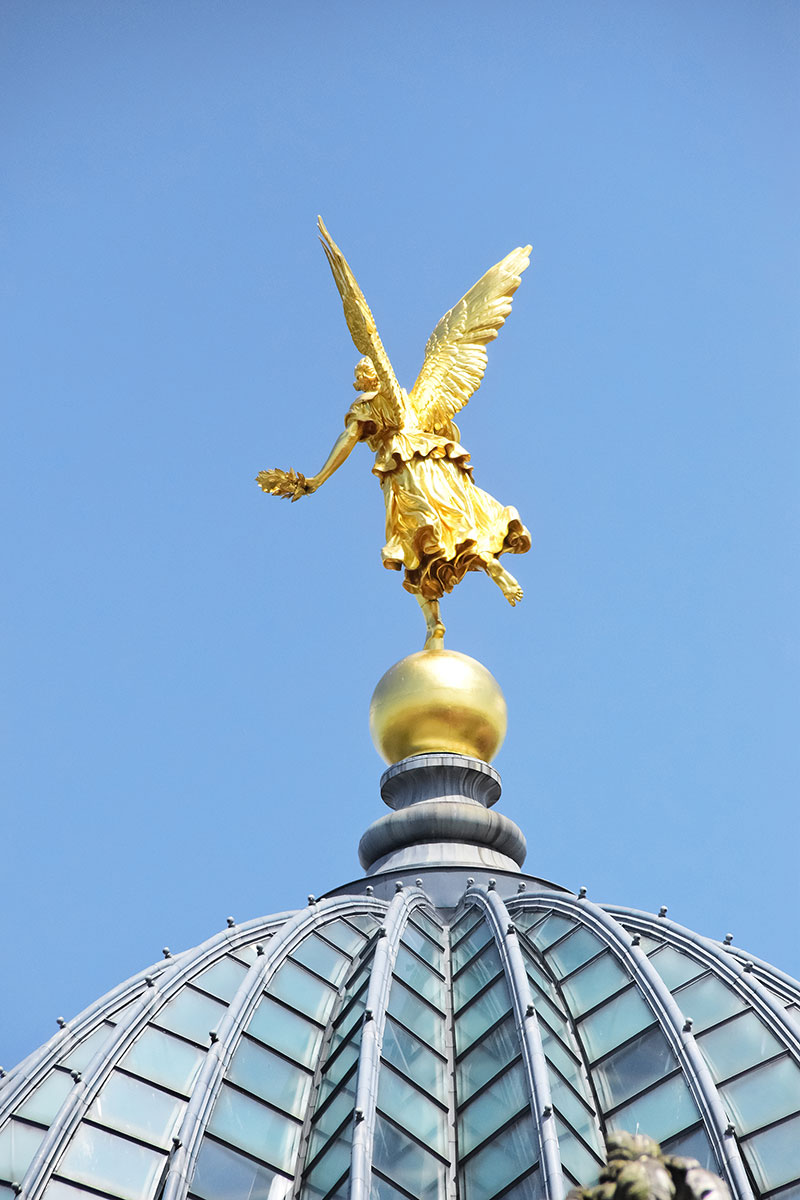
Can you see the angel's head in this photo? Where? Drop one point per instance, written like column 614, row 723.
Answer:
column 366, row 379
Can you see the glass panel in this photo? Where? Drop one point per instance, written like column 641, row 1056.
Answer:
column 575, row 1157
column 18, row 1144
column 547, row 1011
column 138, row 1109
column 559, row 1057
column 222, row 1174
column 500, row 1162
column 575, row 1112
column 428, row 925
column 595, row 983
column 320, row 957
column 739, row 1044
column 334, row 1163
column 111, row 1163
column 527, row 918
column 633, row 1068
column 479, row 972
column 344, row 936
column 530, row 1188
column 774, row 1155
column 246, row 954
column 413, row 1058
column 694, row 1144
column 790, row 1193
column 255, row 1128
column 366, row 922
column 336, row 1069
column 408, row 1164
column 707, row 1001
column 486, row 1058
column 423, row 946
column 288, row 1032
column 328, row 1120
column 471, row 944
column 419, row 977
column 468, row 920
column 43, row 1104
column 418, row 1016
column 348, row 1021
column 412, row 1109
column 269, row 1077
column 294, row 985
column 191, row 1014
column 494, row 1106
column 537, row 974
column 55, row 1190
column 358, row 978
column 79, row 1058
column 163, row 1059
column 574, row 951
column 668, row 1109
column 675, row 968
column 550, row 930
column 381, row 1190
column 482, row 1014
column 764, row 1095
column 614, row 1022
column 222, row 979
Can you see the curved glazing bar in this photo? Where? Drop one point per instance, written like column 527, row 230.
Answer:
column 218, row 1059
column 27, row 1075
column 670, row 1019
column 369, row 1064
column 161, row 983
column 748, row 1040
column 530, row 1036
column 726, row 963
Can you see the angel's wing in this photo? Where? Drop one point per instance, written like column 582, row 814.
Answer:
column 455, row 356
column 361, row 323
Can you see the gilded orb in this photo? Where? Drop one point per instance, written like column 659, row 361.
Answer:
column 437, row 700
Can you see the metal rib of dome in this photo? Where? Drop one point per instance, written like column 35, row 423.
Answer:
column 419, row 1036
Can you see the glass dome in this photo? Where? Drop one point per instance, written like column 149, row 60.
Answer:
column 444, row 1028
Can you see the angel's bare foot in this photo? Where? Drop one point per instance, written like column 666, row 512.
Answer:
column 505, row 581
column 433, row 624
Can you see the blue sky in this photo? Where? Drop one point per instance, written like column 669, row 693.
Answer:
column 188, row 662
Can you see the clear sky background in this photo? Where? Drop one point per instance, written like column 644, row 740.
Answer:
column 190, row 662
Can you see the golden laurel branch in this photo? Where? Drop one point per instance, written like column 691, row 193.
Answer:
column 291, row 483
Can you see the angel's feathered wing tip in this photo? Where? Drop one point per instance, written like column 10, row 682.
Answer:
column 518, row 259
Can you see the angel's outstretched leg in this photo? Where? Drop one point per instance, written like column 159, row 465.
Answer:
column 433, row 623
column 504, row 580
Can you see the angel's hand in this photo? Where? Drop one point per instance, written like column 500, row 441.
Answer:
column 290, row 484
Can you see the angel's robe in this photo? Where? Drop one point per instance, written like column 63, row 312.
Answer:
column 439, row 524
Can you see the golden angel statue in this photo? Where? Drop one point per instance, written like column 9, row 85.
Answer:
column 439, row 524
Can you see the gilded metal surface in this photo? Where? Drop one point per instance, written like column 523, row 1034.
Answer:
column 439, row 525
column 437, row 700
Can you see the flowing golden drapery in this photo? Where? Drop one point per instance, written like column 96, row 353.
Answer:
column 439, row 524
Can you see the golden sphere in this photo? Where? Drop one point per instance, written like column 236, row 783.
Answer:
column 437, row 700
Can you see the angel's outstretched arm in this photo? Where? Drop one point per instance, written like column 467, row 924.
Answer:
column 341, row 449
column 293, row 484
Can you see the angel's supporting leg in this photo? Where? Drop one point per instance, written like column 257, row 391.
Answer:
column 504, row 580
column 433, row 623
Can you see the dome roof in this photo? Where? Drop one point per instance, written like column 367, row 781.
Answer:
column 422, row 1035
column 444, row 1027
